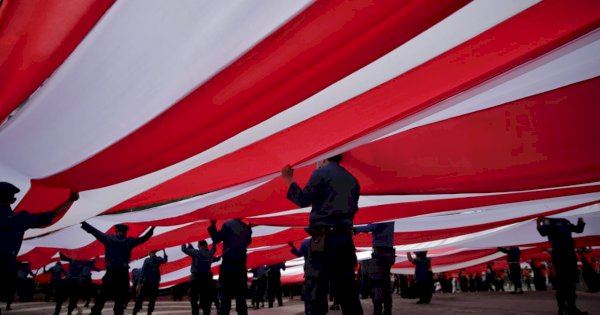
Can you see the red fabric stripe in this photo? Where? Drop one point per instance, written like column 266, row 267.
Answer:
column 323, row 44
column 35, row 38
column 549, row 25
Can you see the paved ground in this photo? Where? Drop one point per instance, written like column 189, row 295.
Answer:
column 489, row 303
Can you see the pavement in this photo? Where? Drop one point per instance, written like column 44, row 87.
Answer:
column 489, row 303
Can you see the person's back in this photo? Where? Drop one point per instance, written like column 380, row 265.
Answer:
column 236, row 236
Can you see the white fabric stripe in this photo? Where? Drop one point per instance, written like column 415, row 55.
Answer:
column 444, row 268
column 574, row 62
column 489, row 214
column 466, row 23
column 512, row 234
column 140, row 59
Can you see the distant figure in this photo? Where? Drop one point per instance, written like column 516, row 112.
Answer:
column 57, row 274
column 73, row 287
column 25, row 285
column 118, row 249
column 564, row 260
column 490, row 276
column 201, row 280
column 85, row 278
column 423, row 279
column 539, row 278
column 589, row 275
column 274, row 284
column 333, row 193
column 314, row 287
column 12, row 228
column 384, row 256
column 258, row 286
column 236, row 237
column 513, row 258
column 150, row 280
column 463, row 281
column 136, row 284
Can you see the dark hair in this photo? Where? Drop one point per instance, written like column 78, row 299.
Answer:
column 336, row 158
column 202, row 243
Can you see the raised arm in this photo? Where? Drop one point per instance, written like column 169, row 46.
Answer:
column 186, row 249
column 301, row 197
column 409, row 257
column 144, row 237
column 579, row 227
column 64, row 257
column 74, row 196
column 294, row 250
column 165, row 257
column 216, row 236
column 95, row 232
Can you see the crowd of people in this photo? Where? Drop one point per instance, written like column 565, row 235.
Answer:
column 332, row 272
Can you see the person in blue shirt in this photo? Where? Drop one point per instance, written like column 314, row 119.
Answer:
column 12, row 229
column 57, row 273
column 236, row 237
column 118, row 249
column 201, row 294
column 73, row 287
column 333, row 193
column 85, row 280
column 315, row 287
column 274, row 283
column 150, row 281
column 423, row 276
column 513, row 258
column 564, row 260
column 384, row 256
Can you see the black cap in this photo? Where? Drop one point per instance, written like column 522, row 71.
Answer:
column 121, row 228
column 8, row 189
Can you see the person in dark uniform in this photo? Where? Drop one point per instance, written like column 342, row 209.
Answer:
column 57, row 273
column 118, row 249
column 315, row 287
column 513, row 257
column 72, row 284
column 136, row 284
column 384, row 256
column 333, row 193
column 564, row 259
column 85, row 280
column 236, row 237
column 12, row 229
column 258, row 286
column 423, row 279
column 274, row 283
column 589, row 275
column 150, row 280
column 202, row 277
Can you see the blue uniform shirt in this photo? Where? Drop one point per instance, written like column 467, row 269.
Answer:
column 559, row 233
column 56, row 272
column 118, row 248
column 13, row 227
column 333, row 193
column 151, row 268
column 236, row 236
column 202, row 258
column 383, row 233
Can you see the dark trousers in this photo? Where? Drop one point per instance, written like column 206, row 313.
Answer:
column 314, row 293
column 424, row 291
column 340, row 261
column 233, row 281
column 8, row 276
column 514, row 274
column 149, row 291
column 71, row 290
column 201, row 294
column 566, row 277
column 274, row 289
column 115, row 283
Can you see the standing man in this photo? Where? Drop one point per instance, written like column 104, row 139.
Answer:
column 201, row 279
column 564, row 260
column 333, row 193
column 274, row 283
column 57, row 273
column 236, row 237
column 384, row 256
column 12, row 229
column 315, row 287
column 118, row 249
column 423, row 278
column 513, row 257
column 73, row 287
column 150, row 280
